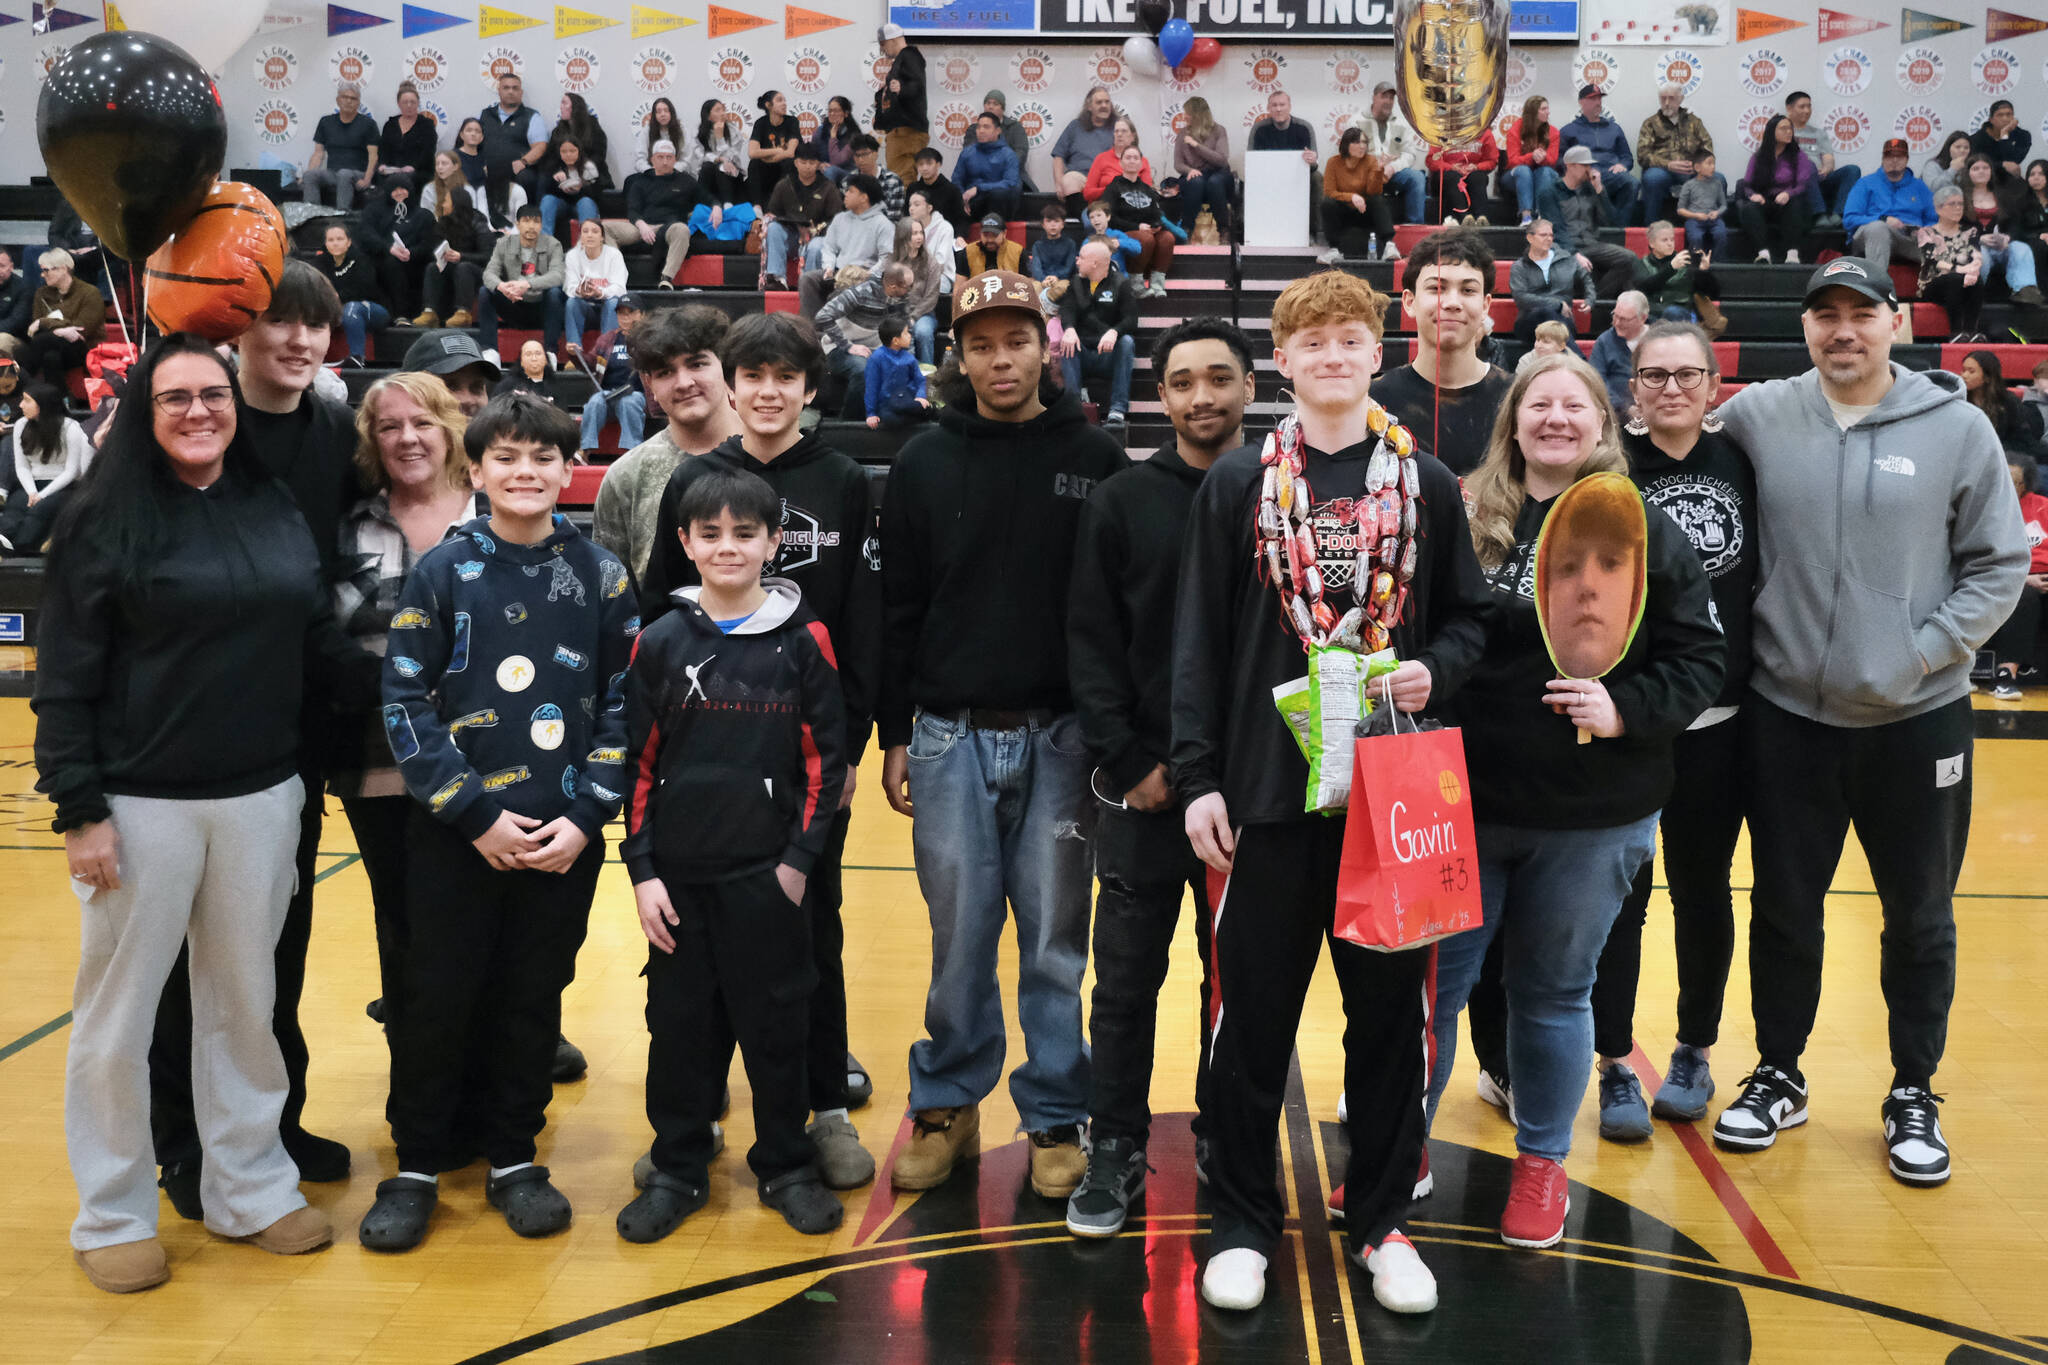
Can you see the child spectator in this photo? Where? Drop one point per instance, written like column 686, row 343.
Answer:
column 1703, row 204
column 895, row 379
column 517, row 610
column 738, row 681
column 2037, row 396
column 1680, row 287
column 1051, row 262
column 1126, row 248
column 1551, row 338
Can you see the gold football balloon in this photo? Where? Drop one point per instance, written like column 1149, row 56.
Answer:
column 1451, row 66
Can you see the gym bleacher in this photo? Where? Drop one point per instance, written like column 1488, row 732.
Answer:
column 1763, row 339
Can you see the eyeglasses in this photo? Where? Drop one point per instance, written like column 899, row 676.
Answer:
column 178, row 402
column 1688, row 378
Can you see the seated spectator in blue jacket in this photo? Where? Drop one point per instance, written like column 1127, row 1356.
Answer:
column 1127, row 246
column 1887, row 209
column 1614, row 353
column 987, row 172
column 1603, row 137
column 895, row 381
column 1051, row 260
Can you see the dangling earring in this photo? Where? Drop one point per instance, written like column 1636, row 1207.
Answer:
column 1712, row 421
column 1635, row 425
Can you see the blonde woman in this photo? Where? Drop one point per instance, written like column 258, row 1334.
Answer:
column 409, row 456
column 1201, row 156
column 1561, row 826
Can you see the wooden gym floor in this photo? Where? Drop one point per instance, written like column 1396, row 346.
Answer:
column 1674, row 1250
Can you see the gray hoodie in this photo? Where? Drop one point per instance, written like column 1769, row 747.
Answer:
column 1891, row 551
column 859, row 239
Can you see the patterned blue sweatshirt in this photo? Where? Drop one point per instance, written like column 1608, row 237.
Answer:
column 504, row 679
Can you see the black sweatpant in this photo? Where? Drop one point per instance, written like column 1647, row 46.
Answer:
column 825, row 1051
column 380, row 823
column 1347, row 229
column 1702, row 821
column 1273, row 913
column 490, row 956
column 1144, row 862
column 1905, row 789
column 2014, row 641
column 172, row 1126
column 742, row 971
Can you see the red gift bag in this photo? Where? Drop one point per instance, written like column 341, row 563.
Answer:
column 1410, row 873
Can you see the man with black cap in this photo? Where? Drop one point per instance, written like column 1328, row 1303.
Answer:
column 981, row 744
column 455, row 358
column 1612, row 159
column 993, row 249
column 1892, row 550
column 900, row 103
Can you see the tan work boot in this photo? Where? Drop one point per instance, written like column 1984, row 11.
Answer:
column 460, row 318
column 298, row 1232
column 1712, row 320
column 1057, row 1161
column 427, row 318
column 125, row 1268
column 938, row 1138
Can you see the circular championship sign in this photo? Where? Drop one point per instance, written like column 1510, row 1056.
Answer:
column 1847, row 70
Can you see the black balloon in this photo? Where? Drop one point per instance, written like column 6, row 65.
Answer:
column 1153, row 14
column 132, row 132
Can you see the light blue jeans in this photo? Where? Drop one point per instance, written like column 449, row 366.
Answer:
column 775, row 244
column 578, row 315
column 1555, row 893
column 1411, row 186
column 629, row 408
column 924, row 338
column 2017, row 260
column 1003, row 822
column 1529, row 182
column 358, row 318
column 551, row 206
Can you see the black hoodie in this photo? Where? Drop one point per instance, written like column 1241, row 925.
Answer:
column 1232, row 645
column 828, row 550
column 1524, row 760
column 978, row 537
column 1711, row 495
column 192, row 692
column 1120, row 614
column 734, row 740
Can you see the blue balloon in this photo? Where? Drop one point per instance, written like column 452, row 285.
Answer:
column 1176, row 40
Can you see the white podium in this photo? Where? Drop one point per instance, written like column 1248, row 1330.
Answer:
column 1275, row 199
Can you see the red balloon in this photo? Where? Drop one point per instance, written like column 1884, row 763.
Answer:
column 1205, row 53
column 216, row 275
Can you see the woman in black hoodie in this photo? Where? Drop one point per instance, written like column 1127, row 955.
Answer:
column 1561, row 826
column 184, row 599
column 450, row 284
column 363, row 304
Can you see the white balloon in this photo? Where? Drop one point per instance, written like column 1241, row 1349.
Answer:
column 212, row 32
column 1141, row 55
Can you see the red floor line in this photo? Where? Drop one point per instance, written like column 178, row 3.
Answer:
column 1718, row 1180
column 882, row 1195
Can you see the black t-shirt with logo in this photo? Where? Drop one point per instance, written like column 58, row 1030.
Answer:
column 1711, row 495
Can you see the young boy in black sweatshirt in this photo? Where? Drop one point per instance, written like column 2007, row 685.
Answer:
column 504, row 704
column 826, row 526
column 736, row 728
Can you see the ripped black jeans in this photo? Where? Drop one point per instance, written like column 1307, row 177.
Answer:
column 1143, row 862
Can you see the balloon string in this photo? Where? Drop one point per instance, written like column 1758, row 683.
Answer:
column 1436, row 437
column 116, row 292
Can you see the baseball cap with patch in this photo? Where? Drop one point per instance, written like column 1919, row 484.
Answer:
column 993, row 223
column 995, row 289
column 1852, row 272
column 444, row 353
column 1897, row 146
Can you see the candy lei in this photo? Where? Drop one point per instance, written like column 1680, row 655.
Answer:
column 1386, row 518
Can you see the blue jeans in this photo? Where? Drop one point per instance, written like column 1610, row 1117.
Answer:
column 1557, row 892
column 776, row 240
column 854, row 370
column 1529, row 182
column 924, row 338
column 814, row 254
column 1003, row 816
column 1117, row 364
column 2018, row 262
column 1412, row 186
column 578, row 313
column 629, row 408
column 1713, row 236
column 358, row 318
column 1825, row 193
column 551, row 210
column 1621, row 191
column 1658, row 184
column 1213, row 188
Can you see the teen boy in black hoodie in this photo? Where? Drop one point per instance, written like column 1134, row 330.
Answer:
column 1120, row 657
column 504, row 683
column 977, row 728
column 772, row 366
column 1236, row 765
column 735, row 734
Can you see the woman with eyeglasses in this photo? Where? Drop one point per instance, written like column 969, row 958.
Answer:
column 1702, row 480
column 183, row 609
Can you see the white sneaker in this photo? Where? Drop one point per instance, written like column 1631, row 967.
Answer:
column 1400, row 1281
column 1343, row 1110
column 1791, row 258
column 491, row 354
column 1235, row 1279
column 1501, row 1097
column 1763, row 258
column 1330, row 257
column 1390, row 252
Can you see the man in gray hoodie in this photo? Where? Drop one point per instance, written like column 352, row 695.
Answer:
column 1892, row 549
column 860, row 234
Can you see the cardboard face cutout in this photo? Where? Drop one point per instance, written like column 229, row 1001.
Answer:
column 1592, row 574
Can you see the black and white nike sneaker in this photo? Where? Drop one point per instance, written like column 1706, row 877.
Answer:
column 1770, row 1099
column 1912, row 1132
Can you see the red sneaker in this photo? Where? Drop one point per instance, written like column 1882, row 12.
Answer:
column 1335, row 1208
column 1538, row 1201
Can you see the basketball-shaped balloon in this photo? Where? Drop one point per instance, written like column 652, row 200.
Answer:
column 216, row 275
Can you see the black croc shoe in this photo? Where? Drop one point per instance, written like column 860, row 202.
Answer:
column 532, row 1206
column 398, row 1220
column 803, row 1201
column 664, row 1202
